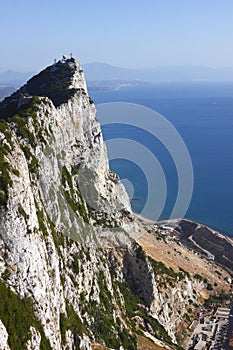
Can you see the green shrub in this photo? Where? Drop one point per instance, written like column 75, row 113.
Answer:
column 72, row 322
column 41, row 220
column 69, row 195
column 75, row 264
column 187, row 317
column 199, row 277
column 15, row 172
column 209, row 287
column 17, row 316
column 134, row 306
column 3, row 199
column 23, row 213
column 33, row 163
column 160, row 269
column 5, row 179
column 185, row 272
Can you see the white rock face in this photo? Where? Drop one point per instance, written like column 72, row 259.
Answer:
column 65, row 235
column 170, row 305
column 3, row 337
column 71, row 139
column 34, row 342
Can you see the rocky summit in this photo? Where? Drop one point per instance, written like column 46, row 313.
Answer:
column 76, row 268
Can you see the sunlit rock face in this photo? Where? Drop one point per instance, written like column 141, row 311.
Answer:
column 69, row 264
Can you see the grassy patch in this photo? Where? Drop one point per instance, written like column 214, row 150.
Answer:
column 135, row 307
column 73, row 322
column 160, row 269
column 33, row 163
column 22, row 212
column 104, row 326
column 55, row 86
column 79, row 205
column 17, row 316
column 5, row 179
column 41, row 220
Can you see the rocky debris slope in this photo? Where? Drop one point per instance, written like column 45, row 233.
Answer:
column 72, row 274
column 208, row 242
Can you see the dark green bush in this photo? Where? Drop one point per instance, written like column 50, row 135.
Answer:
column 72, row 322
column 5, row 179
column 17, row 316
column 79, row 205
column 209, row 287
column 160, row 269
column 199, row 277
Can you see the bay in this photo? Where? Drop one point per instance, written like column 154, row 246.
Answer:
column 202, row 113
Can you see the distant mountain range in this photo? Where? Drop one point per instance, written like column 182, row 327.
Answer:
column 105, row 76
column 14, row 78
column 11, row 80
column 6, row 91
column 101, row 71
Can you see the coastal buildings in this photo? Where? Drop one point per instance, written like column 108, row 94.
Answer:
column 213, row 330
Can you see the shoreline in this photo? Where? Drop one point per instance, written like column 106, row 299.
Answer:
column 170, row 221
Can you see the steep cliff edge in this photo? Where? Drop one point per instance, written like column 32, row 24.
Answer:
column 72, row 274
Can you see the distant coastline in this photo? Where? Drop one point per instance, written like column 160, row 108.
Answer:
column 113, row 85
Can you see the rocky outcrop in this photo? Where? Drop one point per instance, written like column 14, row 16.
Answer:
column 69, row 264
column 3, row 337
column 60, row 183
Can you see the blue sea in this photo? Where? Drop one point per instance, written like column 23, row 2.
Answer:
column 202, row 113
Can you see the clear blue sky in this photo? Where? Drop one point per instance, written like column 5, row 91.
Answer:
column 128, row 33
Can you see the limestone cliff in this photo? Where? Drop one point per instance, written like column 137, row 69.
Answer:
column 72, row 274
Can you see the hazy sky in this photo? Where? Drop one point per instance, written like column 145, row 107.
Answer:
column 128, row 33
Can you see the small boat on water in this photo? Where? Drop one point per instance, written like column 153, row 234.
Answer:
column 134, row 199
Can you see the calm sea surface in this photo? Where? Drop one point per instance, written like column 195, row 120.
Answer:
column 202, row 113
